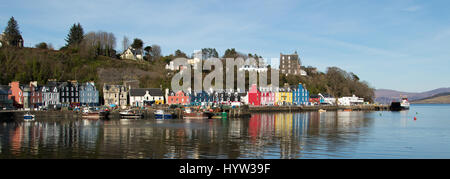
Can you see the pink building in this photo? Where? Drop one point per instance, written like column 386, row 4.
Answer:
column 177, row 98
column 254, row 96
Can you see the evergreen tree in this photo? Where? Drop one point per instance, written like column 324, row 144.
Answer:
column 75, row 35
column 137, row 44
column 12, row 33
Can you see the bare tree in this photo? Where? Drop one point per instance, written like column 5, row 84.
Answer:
column 125, row 43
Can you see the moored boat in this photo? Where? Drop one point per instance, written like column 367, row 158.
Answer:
column 220, row 115
column 130, row 114
column 28, row 117
column 161, row 114
column 190, row 114
column 91, row 113
column 404, row 104
column 322, row 110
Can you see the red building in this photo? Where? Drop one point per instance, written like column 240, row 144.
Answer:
column 314, row 99
column 177, row 98
column 16, row 94
column 254, row 96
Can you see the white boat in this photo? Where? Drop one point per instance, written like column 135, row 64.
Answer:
column 130, row 114
column 322, row 110
column 160, row 114
column 404, row 104
column 91, row 113
column 28, row 117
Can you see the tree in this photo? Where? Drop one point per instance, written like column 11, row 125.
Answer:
column 125, row 43
column 179, row 53
column 155, row 52
column 137, row 43
column 75, row 36
column 12, row 33
column 209, row 53
column 99, row 43
column 42, row 45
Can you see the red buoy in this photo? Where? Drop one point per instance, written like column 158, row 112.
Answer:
column 415, row 118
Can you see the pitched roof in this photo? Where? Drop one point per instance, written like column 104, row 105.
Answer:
column 142, row 91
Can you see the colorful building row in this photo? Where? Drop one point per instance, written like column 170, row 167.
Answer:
column 53, row 93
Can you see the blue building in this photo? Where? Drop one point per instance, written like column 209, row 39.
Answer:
column 200, row 98
column 300, row 95
column 89, row 94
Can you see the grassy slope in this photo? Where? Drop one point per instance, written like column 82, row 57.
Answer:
column 31, row 64
column 435, row 100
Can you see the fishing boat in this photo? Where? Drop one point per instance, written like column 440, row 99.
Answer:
column 161, row 114
column 28, row 117
column 190, row 114
column 130, row 114
column 91, row 113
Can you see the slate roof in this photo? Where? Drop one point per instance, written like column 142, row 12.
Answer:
column 142, row 91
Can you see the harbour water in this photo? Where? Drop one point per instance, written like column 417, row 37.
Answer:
column 342, row 134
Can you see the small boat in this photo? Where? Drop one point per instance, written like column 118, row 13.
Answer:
column 348, row 110
column 28, row 117
column 189, row 114
column 130, row 114
column 219, row 115
column 160, row 114
column 91, row 113
column 322, row 110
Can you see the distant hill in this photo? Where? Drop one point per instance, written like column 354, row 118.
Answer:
column 386, row 96
column 443, row 98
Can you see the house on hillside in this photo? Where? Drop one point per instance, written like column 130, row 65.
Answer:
column 132, row 54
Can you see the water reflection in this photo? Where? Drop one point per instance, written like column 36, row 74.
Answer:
column 269, row 135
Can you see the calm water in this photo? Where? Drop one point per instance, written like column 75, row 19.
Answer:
column 271, row 135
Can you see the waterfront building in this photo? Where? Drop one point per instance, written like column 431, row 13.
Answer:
column 26, row 97
column 315, row 99
column 69, row 94
column 50, row 94
column 284, row 96
column 243, row 98
column 176, row 97
column 200, row 98
column 115, row 95
column 268, row 97
column 290, row 64
column 254, row 96
column 146, row 96
column 35, row 95
column 348, row 101
column 89, row 94
column 5, row 102
column 300, row 95
column 16, row 94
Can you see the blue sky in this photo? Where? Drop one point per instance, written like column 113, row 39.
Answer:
column 394, row 44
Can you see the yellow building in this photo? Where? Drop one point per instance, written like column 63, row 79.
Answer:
column 284, row 97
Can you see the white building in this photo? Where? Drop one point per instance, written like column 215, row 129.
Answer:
column 145, row 96
column 348, row 101
column 132, row 54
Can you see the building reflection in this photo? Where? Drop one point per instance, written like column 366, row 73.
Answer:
column 264, row 135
